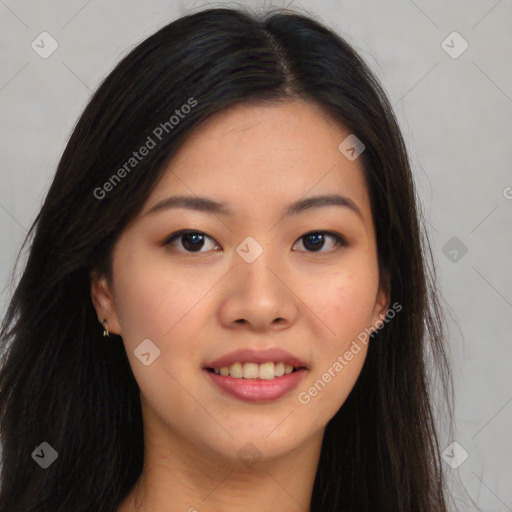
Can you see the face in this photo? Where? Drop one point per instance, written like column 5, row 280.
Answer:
column 288, row 287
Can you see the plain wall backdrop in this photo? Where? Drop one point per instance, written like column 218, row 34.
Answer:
column 446, row 67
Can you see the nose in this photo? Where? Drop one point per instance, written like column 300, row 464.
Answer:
column 259, row 296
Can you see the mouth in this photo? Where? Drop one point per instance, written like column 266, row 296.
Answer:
column 256, row 375
column 256, row 382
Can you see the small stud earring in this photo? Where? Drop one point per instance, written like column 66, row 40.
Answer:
column 106, row 331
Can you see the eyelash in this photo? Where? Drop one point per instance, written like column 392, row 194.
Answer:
column 339, row 239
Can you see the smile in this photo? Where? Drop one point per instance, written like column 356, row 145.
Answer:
column 256, row 389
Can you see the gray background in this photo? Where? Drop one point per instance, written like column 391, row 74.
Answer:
column 456, row 117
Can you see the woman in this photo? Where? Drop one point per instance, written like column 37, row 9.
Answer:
column 227, row 303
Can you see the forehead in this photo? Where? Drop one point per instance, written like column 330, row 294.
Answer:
column 272, row 154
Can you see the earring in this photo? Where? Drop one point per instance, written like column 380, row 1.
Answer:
column 106, row 331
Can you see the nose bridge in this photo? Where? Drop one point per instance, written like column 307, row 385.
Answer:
column 258, row 264
column 257, row 293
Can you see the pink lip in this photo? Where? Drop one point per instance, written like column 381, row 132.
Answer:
column 260, row 356
column 256, row 390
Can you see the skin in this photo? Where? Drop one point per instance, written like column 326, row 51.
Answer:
column 198, row 306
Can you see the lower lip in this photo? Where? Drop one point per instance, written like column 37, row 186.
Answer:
column 258, row 390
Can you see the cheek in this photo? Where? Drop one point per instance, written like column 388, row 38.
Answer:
column 345, row 307
column 151, row 298
column 343, row 303
column 156, row 304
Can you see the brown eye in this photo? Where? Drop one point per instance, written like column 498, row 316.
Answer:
column 315, row 240
column 191, row 241
column 194, row 241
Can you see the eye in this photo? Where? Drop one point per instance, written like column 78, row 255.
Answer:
column 315, row 240
column 192, row 241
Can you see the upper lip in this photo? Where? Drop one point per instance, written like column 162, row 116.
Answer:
column 248, row 355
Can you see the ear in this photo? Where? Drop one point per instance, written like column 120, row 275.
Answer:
column 382, row 300
column 103, row 301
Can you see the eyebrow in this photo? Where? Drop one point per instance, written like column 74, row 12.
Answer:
column 211, row 206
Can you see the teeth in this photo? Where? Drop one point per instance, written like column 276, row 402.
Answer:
column 264, row 371
column 250, row 370
column 236, row 371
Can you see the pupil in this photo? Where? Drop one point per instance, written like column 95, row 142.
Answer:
column 188, row 236
column 319, row 240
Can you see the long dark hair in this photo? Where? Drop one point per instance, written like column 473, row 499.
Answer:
column 62, row 384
